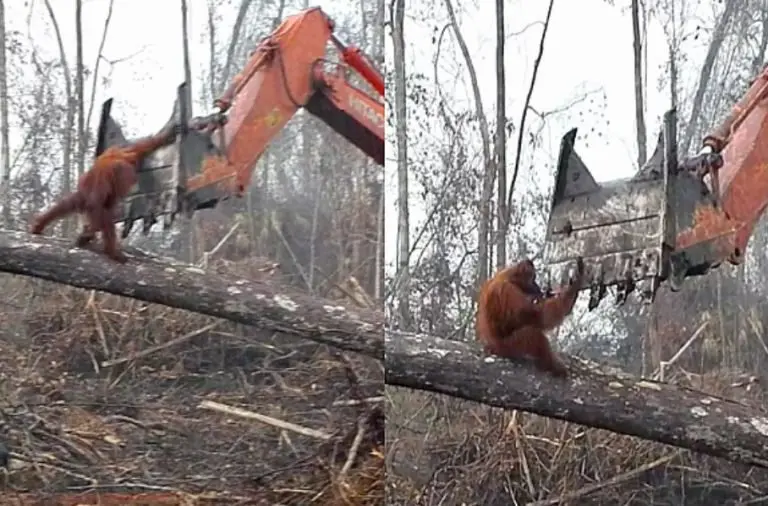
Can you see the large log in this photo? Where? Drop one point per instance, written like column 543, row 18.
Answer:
column 605, row 399
column 262, row 304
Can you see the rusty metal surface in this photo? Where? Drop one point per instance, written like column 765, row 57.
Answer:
column 160, row 193
column 663, row 224
column 744, row 175
column 622, row 229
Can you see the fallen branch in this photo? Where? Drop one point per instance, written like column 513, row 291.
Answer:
column 599, row 398
column 250, row 415
column 356, row 402
column 353, row 449
column 159, row 347
column 163, row 281
column 610, row 482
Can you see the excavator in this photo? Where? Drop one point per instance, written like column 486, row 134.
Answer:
column 673, row 219
column 213, row 156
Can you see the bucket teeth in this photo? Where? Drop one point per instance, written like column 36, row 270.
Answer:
column 162, row 178
column 622, row 229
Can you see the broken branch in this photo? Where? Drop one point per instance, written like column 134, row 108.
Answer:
column 251, row 415
column 154, row 349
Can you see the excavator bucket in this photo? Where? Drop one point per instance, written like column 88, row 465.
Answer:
column 624, row 229
column 160, row 192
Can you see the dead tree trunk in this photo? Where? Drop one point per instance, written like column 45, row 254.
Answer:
column 637, row 53
column 70, row 116
column 501, row 141
column 484, row 218
column 401, row 111
column 262, row 304
column 603, row 399
column 5, row 150
column 79, row 75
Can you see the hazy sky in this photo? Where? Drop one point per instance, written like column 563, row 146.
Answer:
column 144, row 85
column 577, row 57
column 588, row 47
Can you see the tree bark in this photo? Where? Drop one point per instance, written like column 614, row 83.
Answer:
column 527, row 105
column 81, row 144
column 262, row 304
column 603, row 399
column 637, row 51
column 212, row 51
column 185, row 48
column 718, row 36
column 233, row 40
column 99, row 54
column 501, row 141
column 5, row 150
column 70, row 118
column 484, row 219
column 401, row 131
column 194, row 221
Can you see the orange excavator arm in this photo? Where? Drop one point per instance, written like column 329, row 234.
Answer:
column 286, row 72
column 672, row 219
column 215, row 156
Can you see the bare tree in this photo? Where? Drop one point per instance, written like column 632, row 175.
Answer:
column 758, row 61
column 718, row 36
column 194, row 240
column 5, row 152
column 637, row 47
column 377, row 50
column 501, row 140
column 527, row 104
column 70, row 118
column 185, row 47
column 484, row 220
column 401, row 128
column 239, row 20
column 79, row 87
column 212, row 50
column 107, row 20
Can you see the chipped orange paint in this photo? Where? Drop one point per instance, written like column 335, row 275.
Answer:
column 709, row 223
column 278, row 79
column 743, row 137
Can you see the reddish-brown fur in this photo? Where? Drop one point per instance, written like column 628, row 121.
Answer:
column 101, row 189
column 511, row 324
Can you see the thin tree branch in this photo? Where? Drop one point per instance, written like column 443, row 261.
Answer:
column 521, row 130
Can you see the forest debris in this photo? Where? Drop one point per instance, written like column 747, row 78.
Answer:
column 126, row 499
column 616, row 480
column 356, row 402
column 592, row 396
column 354, row 447
column 164, row 281
column 244, row 413
column 159, row 347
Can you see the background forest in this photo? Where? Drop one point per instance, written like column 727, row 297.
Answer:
column 467, row 131
column 312, row 219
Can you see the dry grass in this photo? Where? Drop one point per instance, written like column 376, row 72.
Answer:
column 447, row 451
column 97, row 398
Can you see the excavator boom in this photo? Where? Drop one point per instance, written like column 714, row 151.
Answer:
column 215, row 155
column 673, row 219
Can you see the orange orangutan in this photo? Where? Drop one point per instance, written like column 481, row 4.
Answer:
column 511, row 324
column 101, row 189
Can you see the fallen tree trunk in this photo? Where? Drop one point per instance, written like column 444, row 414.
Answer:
column 164, row 281
column 602, row 399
